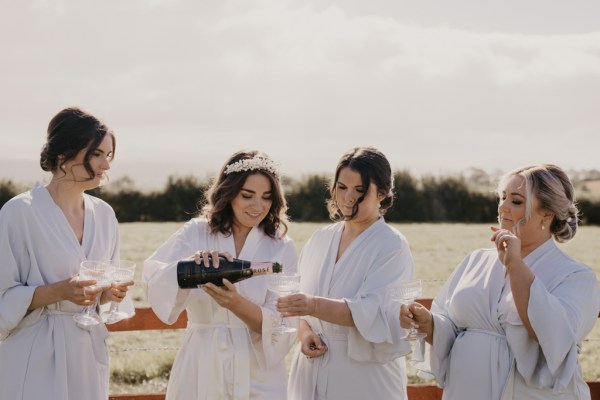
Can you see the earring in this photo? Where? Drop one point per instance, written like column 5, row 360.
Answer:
column 543, row 227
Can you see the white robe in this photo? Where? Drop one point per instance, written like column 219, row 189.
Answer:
column 481, row 350
column 365, row 361
column 220, row 357
column 43, row 354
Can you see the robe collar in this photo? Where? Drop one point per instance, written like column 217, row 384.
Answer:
column 39, row 193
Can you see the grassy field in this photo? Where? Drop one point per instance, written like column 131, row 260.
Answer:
column 140, row 361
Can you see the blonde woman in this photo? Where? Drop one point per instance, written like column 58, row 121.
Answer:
column 509, row 321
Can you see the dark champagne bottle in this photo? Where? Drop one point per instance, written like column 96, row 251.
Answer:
column 190, row 274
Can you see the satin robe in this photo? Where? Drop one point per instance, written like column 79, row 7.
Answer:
column 481, row 349
column 43, row 354
column 365, row 361
column 220, row 358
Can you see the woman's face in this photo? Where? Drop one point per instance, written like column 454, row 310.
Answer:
column 99, row 161
column 511, row 212
column 349, row 188
column 252, row 203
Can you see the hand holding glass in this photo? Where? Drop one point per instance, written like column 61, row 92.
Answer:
column 124, row 271
column 407, row 293
column 284, row 285
column 101, row 272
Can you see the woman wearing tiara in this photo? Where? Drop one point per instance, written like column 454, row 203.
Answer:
column 228, row 351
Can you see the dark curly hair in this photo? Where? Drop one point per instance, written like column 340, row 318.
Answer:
column 227, row 186
column 69, row 132
column 372, row 166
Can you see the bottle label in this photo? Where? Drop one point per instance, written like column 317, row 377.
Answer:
column 261, row 268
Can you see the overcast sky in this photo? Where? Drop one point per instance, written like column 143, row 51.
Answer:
column 437, row 86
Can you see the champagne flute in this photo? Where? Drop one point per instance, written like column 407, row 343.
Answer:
column 407, row 293
column 101, row 272
column 284, row 285
column 124, row 270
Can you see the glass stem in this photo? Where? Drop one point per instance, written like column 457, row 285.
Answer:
column 114, row 307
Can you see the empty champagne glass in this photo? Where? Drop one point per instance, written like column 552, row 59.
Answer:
column 101, row 272
column 407, row 293
column 124, row 270
column 284, row 285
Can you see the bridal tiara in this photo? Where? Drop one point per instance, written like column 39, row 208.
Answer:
column 253, row 164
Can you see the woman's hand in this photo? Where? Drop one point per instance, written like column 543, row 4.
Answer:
column 80, row 292
column 508, row 246
column 226, row 296
column 116, row 292
column 296, row 305
column 311, row 344
column 210, row 257
column 417, row 315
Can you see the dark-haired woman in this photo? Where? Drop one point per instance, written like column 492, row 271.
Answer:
column 45, row 233
column 509, row 322
column 351, row 344
column 228, row 351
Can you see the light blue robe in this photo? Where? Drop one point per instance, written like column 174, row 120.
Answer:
column 365, row 361
column 481, row 350
column 43, row 354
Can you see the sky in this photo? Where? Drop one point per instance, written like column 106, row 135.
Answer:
column 439, row 87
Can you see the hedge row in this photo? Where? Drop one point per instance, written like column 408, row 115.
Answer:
column 428, row 199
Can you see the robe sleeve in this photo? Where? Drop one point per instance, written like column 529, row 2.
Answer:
column 561, row 318
column 376, row 332
column 15, row 294
column 436, row 357
column 271, row 349
column 160, row 274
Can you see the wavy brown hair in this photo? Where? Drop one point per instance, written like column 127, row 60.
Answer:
column 226, row 187
column 373, row 166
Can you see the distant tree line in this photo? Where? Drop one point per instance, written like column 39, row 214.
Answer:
column 427, row 199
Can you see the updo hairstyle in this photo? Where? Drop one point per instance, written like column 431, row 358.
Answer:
column 69, row 132
column 553, row 189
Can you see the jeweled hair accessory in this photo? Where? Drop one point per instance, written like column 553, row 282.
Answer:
column 253, row 164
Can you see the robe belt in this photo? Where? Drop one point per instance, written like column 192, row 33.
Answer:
column 508, row 389
column 337, row 337
column 201, row 325
column 59, row 312
column 63, row 307
column 485, row 332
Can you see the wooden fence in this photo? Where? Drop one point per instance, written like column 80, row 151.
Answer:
column 145, row 319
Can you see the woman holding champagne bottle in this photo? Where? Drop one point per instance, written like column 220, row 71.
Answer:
column 509, row 321
column 351, row 344
column 45, row 234
column 228, row 351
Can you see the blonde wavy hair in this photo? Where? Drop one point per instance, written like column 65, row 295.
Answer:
column 553, row 189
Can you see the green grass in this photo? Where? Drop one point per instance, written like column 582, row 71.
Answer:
column 140, row 361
